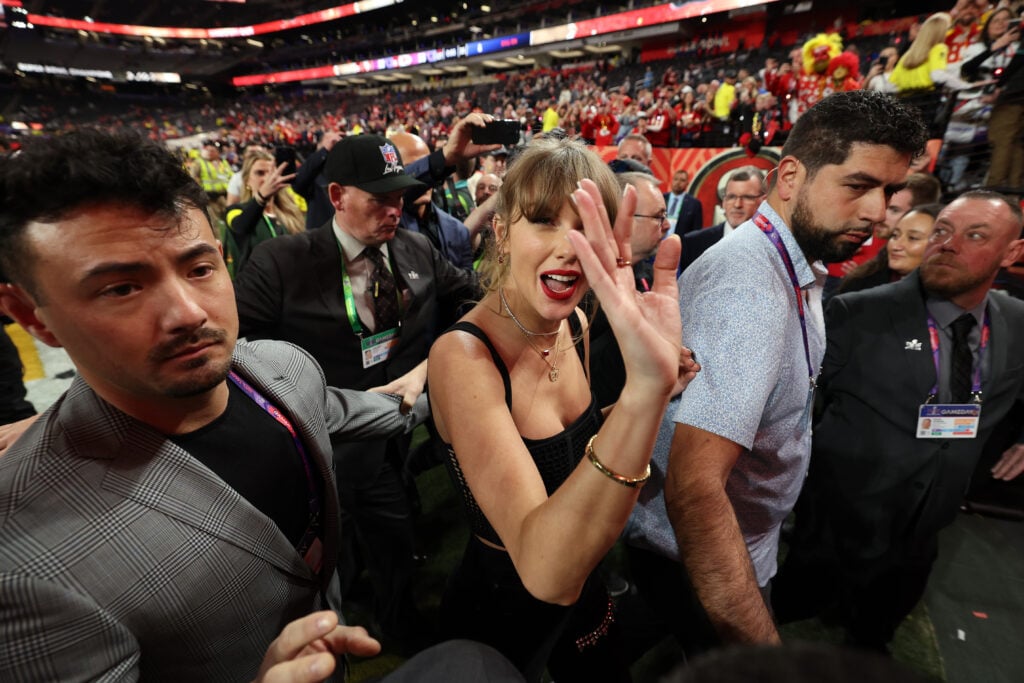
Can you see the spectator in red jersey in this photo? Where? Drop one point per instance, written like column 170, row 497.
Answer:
column 778, row 79
column 966, row 29
column 600, row 126
column 691, row 115
column 660, row 118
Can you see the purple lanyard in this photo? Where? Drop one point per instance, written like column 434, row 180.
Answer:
column 314, row 527
column 933, row 337
column 762, row 222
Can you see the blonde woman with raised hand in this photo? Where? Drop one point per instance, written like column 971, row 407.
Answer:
column 548, row 481
column 267, row 209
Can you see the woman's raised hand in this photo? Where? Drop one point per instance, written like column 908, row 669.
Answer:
column 646, row 324
column 274, row 181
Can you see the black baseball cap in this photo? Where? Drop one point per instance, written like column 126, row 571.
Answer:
column 369, row 162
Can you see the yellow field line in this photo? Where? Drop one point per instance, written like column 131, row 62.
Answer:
column 27, row 350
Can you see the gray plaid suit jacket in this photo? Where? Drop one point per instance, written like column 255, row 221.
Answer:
column 122, row 556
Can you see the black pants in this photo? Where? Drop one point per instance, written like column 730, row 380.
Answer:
column 378, row 526
column 823, row 576
column 13, row 405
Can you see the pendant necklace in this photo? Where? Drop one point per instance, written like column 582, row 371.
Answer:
column 543, row 353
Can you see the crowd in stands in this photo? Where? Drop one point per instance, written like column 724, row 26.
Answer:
column 749, row 98
column 369, row 34
column 625, row 372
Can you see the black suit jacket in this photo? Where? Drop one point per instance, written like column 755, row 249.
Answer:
column 889, row 490
column 291, row 290
column 310, row 182
column 696, row 243
column 691, row 214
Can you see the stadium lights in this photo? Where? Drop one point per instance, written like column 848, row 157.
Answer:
column 320, row 16
column 658, row 18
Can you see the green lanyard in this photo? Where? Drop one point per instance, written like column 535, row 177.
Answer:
column 350, row 299
column 270, row 225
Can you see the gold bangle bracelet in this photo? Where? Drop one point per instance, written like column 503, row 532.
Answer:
column 630, row 482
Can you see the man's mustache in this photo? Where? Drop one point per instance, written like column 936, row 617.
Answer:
column 199, row 337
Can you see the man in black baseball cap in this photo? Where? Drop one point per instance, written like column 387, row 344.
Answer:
column 365, row 299
column 366, row 182
column 369, row 162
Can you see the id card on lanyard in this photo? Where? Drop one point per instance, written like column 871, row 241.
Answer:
column 948, row 420
column 374, row 348
column 377, row 347
column 952, row 420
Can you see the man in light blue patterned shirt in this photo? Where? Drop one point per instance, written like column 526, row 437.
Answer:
column 751, row 310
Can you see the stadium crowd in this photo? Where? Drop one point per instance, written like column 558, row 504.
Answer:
column 604, row 365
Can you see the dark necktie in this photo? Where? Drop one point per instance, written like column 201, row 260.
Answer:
column 674, row 208
column 962, row 361
column 383, row 290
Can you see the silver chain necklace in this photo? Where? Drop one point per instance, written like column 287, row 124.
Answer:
column 522, row 328
column 543, row 353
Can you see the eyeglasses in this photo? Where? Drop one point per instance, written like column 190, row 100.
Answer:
column 742, row 197
column 660, row 217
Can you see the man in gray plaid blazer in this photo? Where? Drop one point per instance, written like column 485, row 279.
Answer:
column 175, row 509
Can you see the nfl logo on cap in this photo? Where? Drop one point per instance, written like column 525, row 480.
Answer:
column 370, row 163
column 392, row 164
